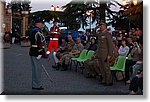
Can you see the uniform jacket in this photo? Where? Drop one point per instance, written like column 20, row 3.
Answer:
column 37, row 42
column 105, row 45
column 53, row 31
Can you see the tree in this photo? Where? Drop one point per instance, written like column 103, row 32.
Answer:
column 77, row 10
column 74, row 12
column 134, row 13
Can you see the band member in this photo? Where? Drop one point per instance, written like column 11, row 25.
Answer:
column 54, row 33
column 37, row 53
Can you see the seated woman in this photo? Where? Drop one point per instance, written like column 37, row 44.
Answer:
column 123, row 49
column 92, row 45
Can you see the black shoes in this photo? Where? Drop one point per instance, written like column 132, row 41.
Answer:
column 40, row 88
column 64, row 67
column 90, row 76
column 56, row 66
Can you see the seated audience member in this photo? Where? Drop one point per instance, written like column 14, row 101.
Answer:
column 135, row 54
column 123, row 49
column 84, row 39
column 92, row 67
column 115, row 53
column 136, row 67
column 93, row 45
column 60, row 51
column 136, row 83
column 119, row 38
column 87, row 45
column 75, row 52
column 130, row 44
column 69, row 46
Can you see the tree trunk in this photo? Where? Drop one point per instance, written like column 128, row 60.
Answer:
column 102, row 11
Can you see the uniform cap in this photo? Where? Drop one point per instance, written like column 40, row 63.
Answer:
column 39, row 20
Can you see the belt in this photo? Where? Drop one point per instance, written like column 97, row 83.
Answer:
column 53, row 38
column 54, row 32
column 36, row 46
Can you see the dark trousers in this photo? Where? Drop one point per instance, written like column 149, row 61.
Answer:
column 128, row 68
column 135, row 84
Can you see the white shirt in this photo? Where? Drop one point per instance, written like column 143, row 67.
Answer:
column 123, row 51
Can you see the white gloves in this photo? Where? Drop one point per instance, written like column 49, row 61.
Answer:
column 47, row 52
column 38, row 57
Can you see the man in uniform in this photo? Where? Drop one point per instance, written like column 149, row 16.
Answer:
column 37, row 52
column 54, row 33
column 75, row 52
column 66, row 49
column 104, row 54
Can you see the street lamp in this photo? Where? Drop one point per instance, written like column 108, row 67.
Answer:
column 89, row 13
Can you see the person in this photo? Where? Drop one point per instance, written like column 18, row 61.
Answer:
column 123, row 49
column 119, row 38
column 70, row 44
column 84, row 38
column 7, row 37
column 134, row 37
column 75, row 52
column 136, row 83
column 67, row 48
column 135, row 53
column 130, row 44
column 54, row 33
column 138, row 32
column 37, row 53
column 93, row 45
column 60, row 51
column 104, row 53
column 92, row 68
column 115, row 52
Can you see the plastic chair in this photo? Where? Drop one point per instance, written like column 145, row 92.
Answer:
column 119, row 66
column 129, row 57
column 81, row 56
column 88, row 57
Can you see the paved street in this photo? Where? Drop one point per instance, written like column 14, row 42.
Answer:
column 17, row 77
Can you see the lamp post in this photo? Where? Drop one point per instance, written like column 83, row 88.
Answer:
column 89, row 13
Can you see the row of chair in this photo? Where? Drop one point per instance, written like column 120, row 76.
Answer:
column 84, row 56
column 119, row 65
